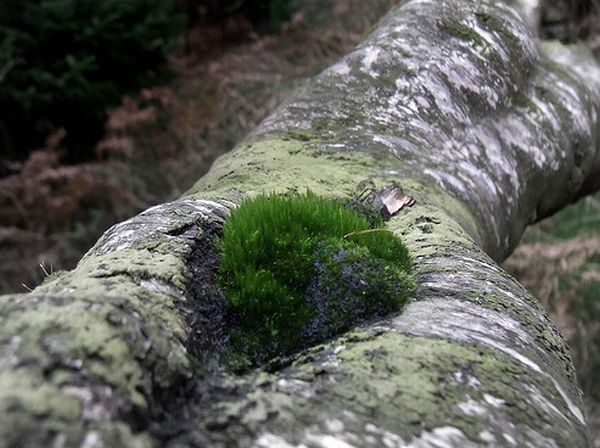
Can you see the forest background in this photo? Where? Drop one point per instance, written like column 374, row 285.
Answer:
column 108, row 107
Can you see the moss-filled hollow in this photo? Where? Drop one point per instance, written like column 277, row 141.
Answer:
column 301, row 268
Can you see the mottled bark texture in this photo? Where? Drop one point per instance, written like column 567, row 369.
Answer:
column 485, row 126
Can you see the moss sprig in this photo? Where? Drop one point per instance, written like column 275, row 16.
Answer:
column 301, row 268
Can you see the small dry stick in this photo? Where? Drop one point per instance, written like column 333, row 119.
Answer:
column 362, row 232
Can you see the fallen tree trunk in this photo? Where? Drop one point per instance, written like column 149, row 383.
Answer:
column 458, row 103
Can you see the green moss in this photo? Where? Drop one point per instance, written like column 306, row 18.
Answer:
column 301, row 135
column 300, row 268
column 455, row 28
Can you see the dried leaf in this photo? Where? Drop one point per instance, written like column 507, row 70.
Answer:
column 390, row 200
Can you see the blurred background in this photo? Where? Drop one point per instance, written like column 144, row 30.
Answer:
column 110, row 106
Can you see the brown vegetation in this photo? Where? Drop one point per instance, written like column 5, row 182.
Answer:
column 228, row 79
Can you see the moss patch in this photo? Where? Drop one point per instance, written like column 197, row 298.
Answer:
column 298, row 269
column 460, row 30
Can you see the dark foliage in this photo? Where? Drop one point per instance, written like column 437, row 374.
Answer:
column 266, row 15
column 64, row 62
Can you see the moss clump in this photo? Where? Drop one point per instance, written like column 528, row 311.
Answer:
column 460, row 30
column 298, row 269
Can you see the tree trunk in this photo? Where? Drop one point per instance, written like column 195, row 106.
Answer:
column 457, row 102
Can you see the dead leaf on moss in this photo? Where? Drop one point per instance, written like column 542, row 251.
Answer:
column 394, row 199
column 388, row 200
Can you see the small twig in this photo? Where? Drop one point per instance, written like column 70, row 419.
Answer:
column 362, row 232
column 45, row 271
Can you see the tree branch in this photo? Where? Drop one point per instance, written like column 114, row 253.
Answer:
column 488, row 130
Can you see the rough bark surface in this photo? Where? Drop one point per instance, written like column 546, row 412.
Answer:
column 486, row 127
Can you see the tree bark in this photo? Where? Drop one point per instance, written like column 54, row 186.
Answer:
column 458, row 102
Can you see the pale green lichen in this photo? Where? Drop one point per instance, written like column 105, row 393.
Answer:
column 359, row 382
column 281, row 166
column 427, row 383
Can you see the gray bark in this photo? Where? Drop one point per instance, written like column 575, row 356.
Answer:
column 485, row 126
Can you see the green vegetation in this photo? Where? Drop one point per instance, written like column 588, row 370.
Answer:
column 298, row 269
column 578, row 286
column 582, row 288
column 559, row 261
column 64, row 62
column 579, row 219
